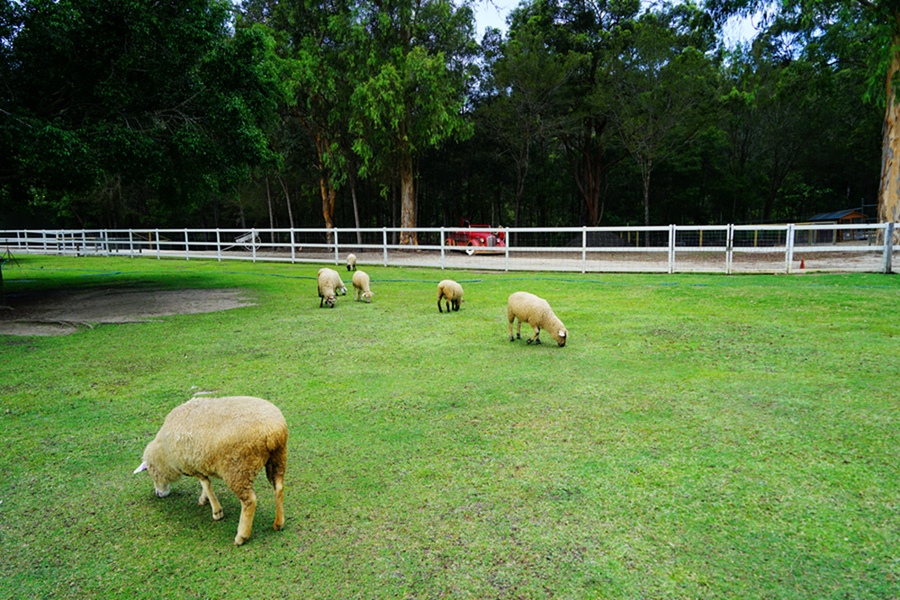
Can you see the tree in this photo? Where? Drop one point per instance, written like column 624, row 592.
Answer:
column 593, row 31
column 318, row 56
column 844, row 26
column 140, row 95
column 413, row 67
column 663, row 94
column 527, row 104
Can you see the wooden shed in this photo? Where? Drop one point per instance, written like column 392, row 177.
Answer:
column 841, row 217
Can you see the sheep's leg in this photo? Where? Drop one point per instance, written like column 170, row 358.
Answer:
column 512, row 338
column 519, row 330
column 535, row 338
column 279, row 503
column 248, row 509
column 275, row 468
column 209, row 494
column 440, row 310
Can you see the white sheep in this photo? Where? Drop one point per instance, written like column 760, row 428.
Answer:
column 361, row 283
column 230, row 438
column 351, row 262
column 329, row 285
column 451, row 292
column 536, row 312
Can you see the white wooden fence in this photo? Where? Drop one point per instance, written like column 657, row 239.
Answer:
column 787, row 248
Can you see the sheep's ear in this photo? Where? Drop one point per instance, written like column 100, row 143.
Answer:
column 143, row 467
column 562, row 333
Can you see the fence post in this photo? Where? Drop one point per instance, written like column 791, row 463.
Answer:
column 218, row 244
column 584, row 248
column 672, row 247
column 384, row 243
column 253, row 243
column 888, row 248
column 442, row 248
column 157, row 245
column 508, row 242
column 84, row 250
column 337, row 257
column 729, row 249
column 789, row 249
column 187, row 252
column 293, row 252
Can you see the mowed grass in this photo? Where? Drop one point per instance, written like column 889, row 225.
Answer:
column 700, row 436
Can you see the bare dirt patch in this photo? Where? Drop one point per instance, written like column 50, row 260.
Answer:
column 61, row 312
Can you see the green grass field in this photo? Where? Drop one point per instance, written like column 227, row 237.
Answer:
column 700, row 436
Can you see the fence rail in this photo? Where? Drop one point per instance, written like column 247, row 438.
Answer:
column 667, row 249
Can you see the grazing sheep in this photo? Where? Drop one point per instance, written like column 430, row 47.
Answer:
column 330, row 284
column 536, row 312
column 351, row 262
column 230, row 438
column 451, row 292
column 361, row 283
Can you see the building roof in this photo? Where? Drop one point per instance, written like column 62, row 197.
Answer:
column 836, row 216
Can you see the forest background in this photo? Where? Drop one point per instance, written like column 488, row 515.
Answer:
column 372, row 113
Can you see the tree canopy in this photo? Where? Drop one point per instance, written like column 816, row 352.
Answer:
column 340, row 113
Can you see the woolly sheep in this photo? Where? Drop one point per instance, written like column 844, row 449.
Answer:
column 361, row 283
column 536, row 312
column 230, row 438
column 451, row 292
column 329, row 284
column 351, row 262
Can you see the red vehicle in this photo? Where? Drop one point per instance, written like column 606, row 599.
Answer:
column 480, row 241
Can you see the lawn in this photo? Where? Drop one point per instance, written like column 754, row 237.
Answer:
column 700, row 436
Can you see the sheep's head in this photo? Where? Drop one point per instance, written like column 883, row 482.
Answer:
column 368, row 296
column 330, row 300
column 561, row 336
column 162, row 477
column 161, row 485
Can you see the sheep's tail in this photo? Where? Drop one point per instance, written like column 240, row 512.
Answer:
column 277, row 463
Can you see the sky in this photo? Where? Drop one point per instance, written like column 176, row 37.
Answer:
column 492, row 13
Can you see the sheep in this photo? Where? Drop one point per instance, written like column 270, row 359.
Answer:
column 537, row 313
column 451, row 292
column 361, row 283
column 330, row 284
column 231, row 438
column 351, row 262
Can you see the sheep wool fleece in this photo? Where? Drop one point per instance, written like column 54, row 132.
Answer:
column 361, row 283
column 451, row 292
column 535, row 311
column 329, row 285
column 231, row 438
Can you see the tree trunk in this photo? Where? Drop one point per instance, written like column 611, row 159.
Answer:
column 269, row 202
column 352, row 176
column 394, row 205
column 646, row 169
column 407, row 201
column 241, row 208
column 889, row 191
column 287, row 199
column 329, row 196
column 589, row 168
